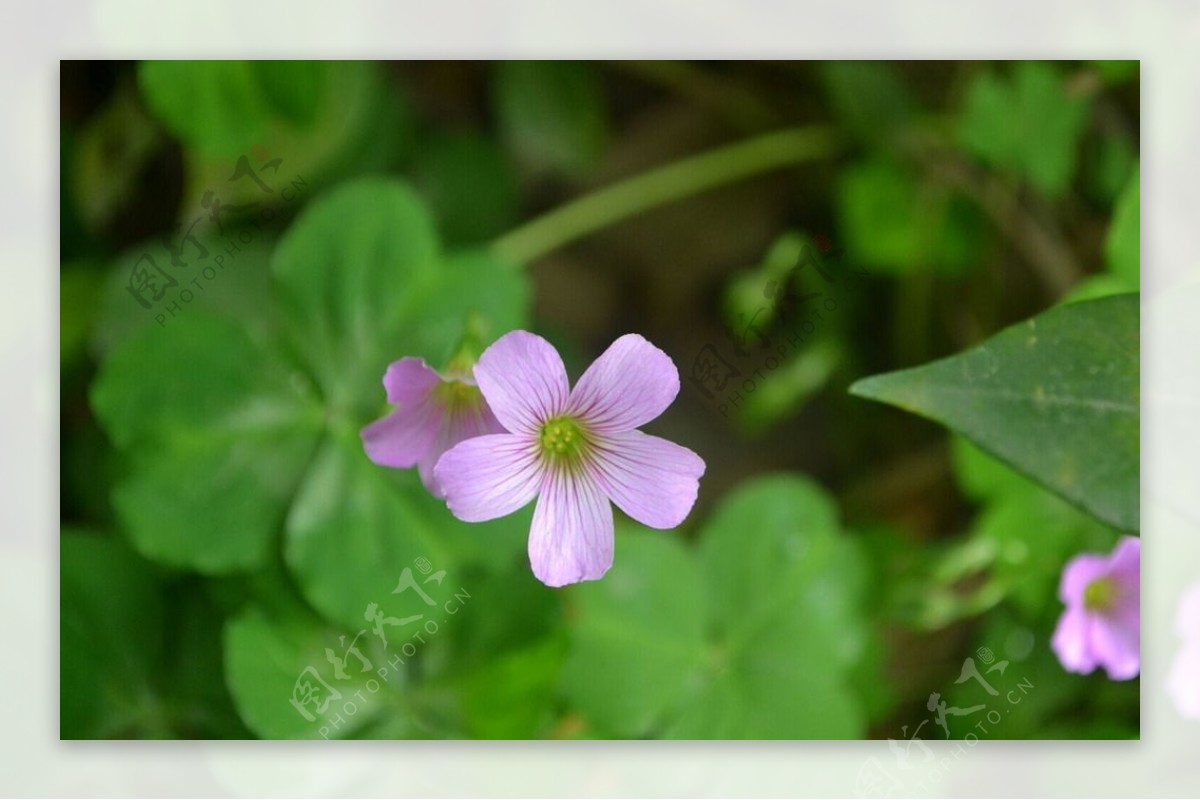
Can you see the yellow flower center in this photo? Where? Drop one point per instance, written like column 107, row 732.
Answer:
column 458, row 395
column 1099, row 594
column 563, row 440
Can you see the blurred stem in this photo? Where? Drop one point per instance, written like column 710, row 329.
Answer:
column 1033, row 235
column 684, row 178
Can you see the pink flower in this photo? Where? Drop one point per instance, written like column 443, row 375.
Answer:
column 573, row 450
column 434, row 412
column 1183, row 682
column 1102, row 623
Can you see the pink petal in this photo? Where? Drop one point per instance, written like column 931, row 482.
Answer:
column 405, row 435
column 631, row 383
column 409, row 381
column 524, row 381
column 1183, row 681
column 1125, row 563
column 489, row 476
column 650, row 479
column 456, row 427
column 1116, row 646
column 1080, row 571
column 1071, row 641
column 572, row 535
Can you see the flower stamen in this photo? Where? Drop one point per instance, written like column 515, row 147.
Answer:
column 1099, row 594
column 563, row 440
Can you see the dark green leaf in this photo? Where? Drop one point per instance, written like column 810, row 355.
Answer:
column 470, row 185
column 110, row 640
column 552, row 113
column 872, row 100
column 1056, row 396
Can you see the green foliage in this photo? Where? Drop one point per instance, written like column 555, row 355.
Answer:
column 750, row 637
column 1068, row 376
column 137, row 655
column 321, row 118
column 110, row 636
column 1029, row 533
column 1027, row 123
column 552, row 114
column 470, row 184
column 1117, row 71
column 265, row 657
column 1122, row 249
column 873, row 102
column 223, row 423
column 248, row 543
column 892, row 222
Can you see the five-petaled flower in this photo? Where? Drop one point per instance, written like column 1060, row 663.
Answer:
column 1101, row 625
column 434, row 412
column 573, row 450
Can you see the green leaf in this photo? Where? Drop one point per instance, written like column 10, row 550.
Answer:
column 1109, row 161
column 1116, row 71
column 270, row 660
column 236, row 288
column 638, row 647
column 1028, row 124
column 226, row 107
column 512, row 695
column 346, row 273
column 361, row 282
column 552, row 113
column 787, row 607
column 220, row 432
column 78, row 287
column 217, row 105
column 110, row 638
column 305, row 123
column 470, row 184
column 1122, row 249
column 1030, row 532
column 351, row 533
column 470, row 284
column 1056, row 397
column 894, row 223
column 759, row 635
column 797, row 559
column 789, row 388
column 293, row 88
column 875, row 104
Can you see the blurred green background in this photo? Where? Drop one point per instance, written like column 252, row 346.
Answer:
column 246, row 245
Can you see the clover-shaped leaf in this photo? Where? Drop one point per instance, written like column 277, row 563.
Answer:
column 237, row 430
column 771, row 654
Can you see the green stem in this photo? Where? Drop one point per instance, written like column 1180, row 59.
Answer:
column 662, row 185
